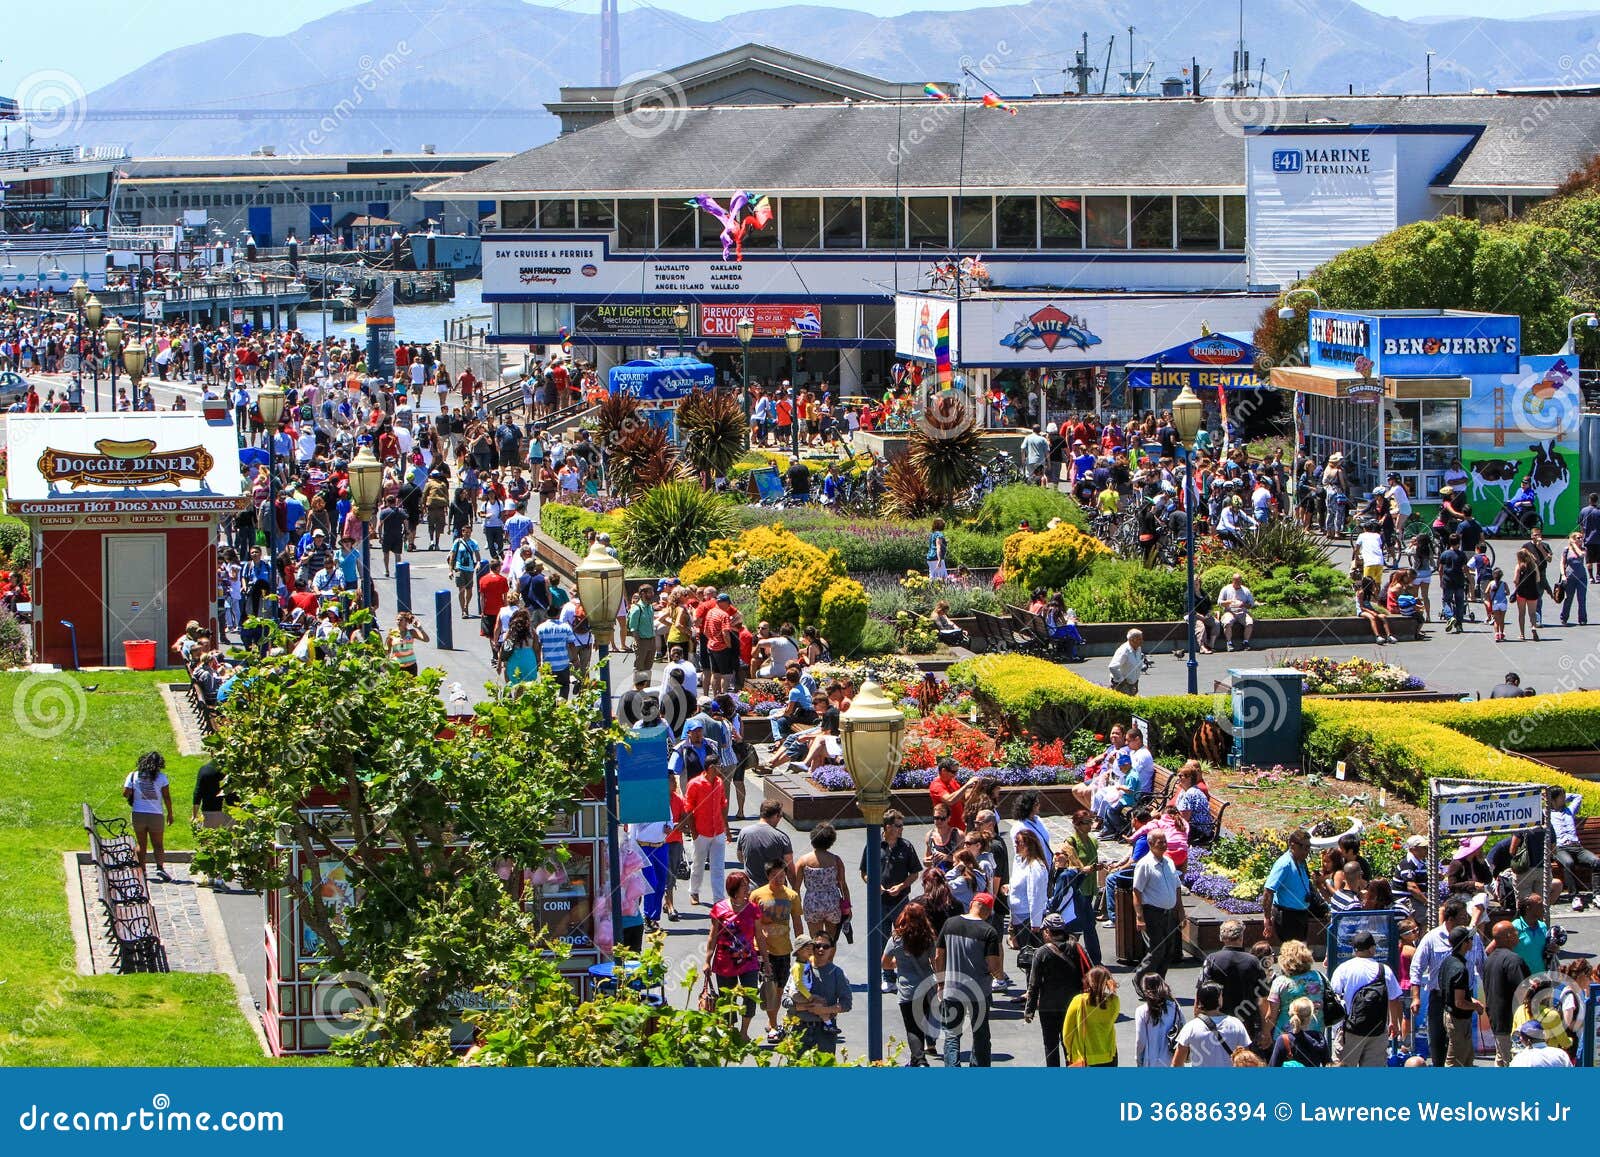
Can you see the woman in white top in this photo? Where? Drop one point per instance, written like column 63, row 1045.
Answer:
column 1153, row 1022
column 149, row 792
column 1029, row 889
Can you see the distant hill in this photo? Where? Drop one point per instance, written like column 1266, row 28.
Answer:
column 480, row 54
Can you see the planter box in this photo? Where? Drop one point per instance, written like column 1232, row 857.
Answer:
column 1202, row 929
column 805, row 805
column 1224, row 687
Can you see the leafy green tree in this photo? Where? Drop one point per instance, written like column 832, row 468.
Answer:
column 356, row 764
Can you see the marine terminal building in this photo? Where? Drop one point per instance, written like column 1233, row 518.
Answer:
column 1150, row 220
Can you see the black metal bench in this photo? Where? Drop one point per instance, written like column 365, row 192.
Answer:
column 124, row 898
column 993, row 634
column 204, row 712
column 1036, row 635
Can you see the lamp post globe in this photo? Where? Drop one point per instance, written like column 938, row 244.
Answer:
column 366, row 482
column 134, row 359
column 113, row 337
column 270, row 400
column 794, row 339
column 79, row 290
column 1187, row 410
column 93, row 311
column 600, row 584
column 747, row 330
column 680, row 322
column 871, row 731
column 1187, row 413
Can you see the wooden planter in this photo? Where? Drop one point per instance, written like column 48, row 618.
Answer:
column 805, row 805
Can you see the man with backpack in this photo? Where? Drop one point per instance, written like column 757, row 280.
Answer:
column 464, row 556
column 1369, row 993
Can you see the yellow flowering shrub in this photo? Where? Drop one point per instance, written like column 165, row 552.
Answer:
column 1052, row 558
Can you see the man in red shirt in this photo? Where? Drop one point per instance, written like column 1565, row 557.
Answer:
column 492, row 588
column 946, row 788
column 303, row 599
column 722, row 654
column 708, row 805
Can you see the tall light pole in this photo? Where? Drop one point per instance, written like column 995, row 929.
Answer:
column 113, row 338
column 134, row 359
column 94, row 314
column 1590, row 321
column 794, row 339
column 270, row 401
column 746, row 329
column 1187, row 411
column 1428, row 63
column 870, row 732
column 366, row 485
column 79, row 293
column 600, row 591
column 680, row 322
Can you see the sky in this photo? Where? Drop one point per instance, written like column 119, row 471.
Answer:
column 100, row 40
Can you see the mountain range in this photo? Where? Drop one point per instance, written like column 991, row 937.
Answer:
column 415, row 58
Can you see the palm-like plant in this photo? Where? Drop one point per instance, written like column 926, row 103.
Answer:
column 906, row 491
column 948, row 462
column 669, row 524
column 712, row 429
column 618, row 412
column 639, row 457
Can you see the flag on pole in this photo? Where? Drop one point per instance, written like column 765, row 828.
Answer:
column 935, row 91
column 990, row 100
column 941, row 351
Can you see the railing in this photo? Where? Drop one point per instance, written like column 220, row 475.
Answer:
column 128, row 235
column 38, row 158
column 229, row 291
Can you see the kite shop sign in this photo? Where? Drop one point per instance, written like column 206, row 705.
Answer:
column 1459, row 809
column 124, row 511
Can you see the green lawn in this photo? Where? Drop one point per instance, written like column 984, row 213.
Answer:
column 49, row 1015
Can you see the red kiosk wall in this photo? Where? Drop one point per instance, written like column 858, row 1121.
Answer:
column 69, row 582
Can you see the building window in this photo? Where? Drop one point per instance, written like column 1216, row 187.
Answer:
column 677, row 224
column 1016, row 222
column 930, row 222
column 1233, row 223
column 1199, row 223
column 842, row 222
column 517, row 214
column 1521, row 204
column 636, row 224
column 1106, row 222
column 801, row 219
column 1152, row 222
column 596, row 215
column 764, row 238
column 977, row 223
column 710, row 230
column 1061, row 222
column 556, row 215
column 877, row 322
column 885, row 223
column 1484, row 210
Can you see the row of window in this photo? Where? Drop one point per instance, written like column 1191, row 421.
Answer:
column 1057, row 221
column 141, row 200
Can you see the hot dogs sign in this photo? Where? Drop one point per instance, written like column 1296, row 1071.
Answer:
column 125, row 465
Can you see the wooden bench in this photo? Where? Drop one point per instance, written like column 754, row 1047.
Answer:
column 995, row 635
column 124, row 897
column 1036, row 633
column 1165, row 785
column 205, row 713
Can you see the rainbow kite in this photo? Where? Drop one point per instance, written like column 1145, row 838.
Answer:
column 935, row 91
column 941, row 351
column 565, row 335
column 745, row 211
column 990, row 100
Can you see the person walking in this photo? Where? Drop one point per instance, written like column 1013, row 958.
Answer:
column 1089, row 1030
column 1302, row 1043
column 1127, row 664
column 1242, row 977
column 1286, row 899
column 1208, row 1040
column 1059, row 969
column 1369, row 992
column 1158, row 909
column 1575, row 580
column 642, row 626
column 1453, row 584
column 966, row 961
column 780, row 908
column 149, row 792
column 735, row 948
column 908, row 957
column 1155, row 1025
column 1528, row 585
column 827, row 996
column 707, row 796
column 824, row 889
column 1504, row 971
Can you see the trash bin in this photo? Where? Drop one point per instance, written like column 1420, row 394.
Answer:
column 140, row 654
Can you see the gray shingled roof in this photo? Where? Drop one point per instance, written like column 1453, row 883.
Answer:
column 1531, row 142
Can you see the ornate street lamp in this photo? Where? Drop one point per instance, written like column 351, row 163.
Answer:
column 270, row 400
column 112, row 334
column 870, row 732
column 600, row 590
column 93, row 316
column 746, row 329
column 680, row 322
column 366, row 488
column 1187, row 411
column 794, row 339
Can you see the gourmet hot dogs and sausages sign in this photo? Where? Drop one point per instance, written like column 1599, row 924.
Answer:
column 136, row 464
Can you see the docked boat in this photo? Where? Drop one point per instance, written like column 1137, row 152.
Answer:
column 446, row 252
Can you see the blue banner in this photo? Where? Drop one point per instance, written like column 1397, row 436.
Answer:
column 175, row 1112
column 642, row 782
column 661, row 379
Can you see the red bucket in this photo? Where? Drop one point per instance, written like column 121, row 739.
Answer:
column 140, row 654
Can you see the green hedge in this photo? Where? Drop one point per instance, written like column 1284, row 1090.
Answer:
column 566, row 525
column 1005, row 506
column 1399, row 747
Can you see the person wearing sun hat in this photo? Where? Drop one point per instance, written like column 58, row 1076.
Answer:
column 1468, row 873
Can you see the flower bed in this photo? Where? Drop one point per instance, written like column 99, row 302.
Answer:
column 1231, row 874
column 1353, row 676
column 835, row 777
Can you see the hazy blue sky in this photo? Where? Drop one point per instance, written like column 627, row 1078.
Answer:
column 99, row 40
